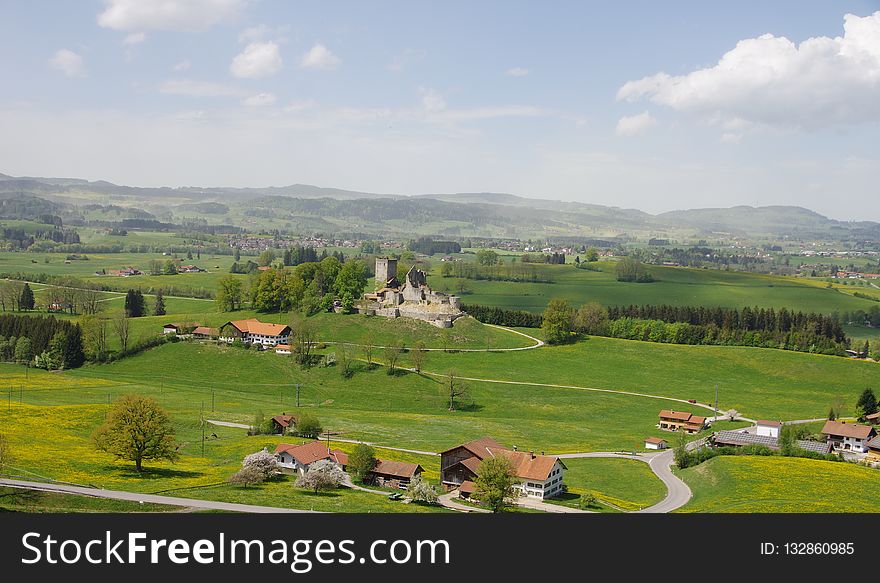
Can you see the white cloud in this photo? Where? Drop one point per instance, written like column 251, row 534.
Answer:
column 258, row 59
column 183, row 65
column 134, row 38
column 68, row 62
column 319, row 57
column 191, row 88
column 772, row 81
column 260, row 100
column 635, row 124
column 517, row 72
column 175, row 15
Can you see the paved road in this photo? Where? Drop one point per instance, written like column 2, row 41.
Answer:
column 448, row 500
column 677, row 492
column 145, row 498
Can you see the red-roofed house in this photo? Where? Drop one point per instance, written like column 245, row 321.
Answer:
column 848, row 436
column 540, row 476
column 681, row 420
column 252, row 331
column 298, row 458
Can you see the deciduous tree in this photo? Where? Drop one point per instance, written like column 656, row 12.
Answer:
column 137, row 429
column 321, row 475
column 495, row 483
column 361, row 461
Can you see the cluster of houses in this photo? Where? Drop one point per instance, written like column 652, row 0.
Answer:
column 263, row 335
column 860, row 440
column 537, row 476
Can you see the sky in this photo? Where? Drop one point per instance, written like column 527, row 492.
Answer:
column 639, row 104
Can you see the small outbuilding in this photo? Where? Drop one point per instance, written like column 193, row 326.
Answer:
column 655, row 443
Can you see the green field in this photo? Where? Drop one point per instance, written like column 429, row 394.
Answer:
column 62, row 450
column 758, row 382
column 619, row 483
column 674, row 286
column 778, row 484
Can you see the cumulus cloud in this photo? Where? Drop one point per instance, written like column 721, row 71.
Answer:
column 772, row 81
column 260, row 100
column 191, row 88
column 635, row 124
column 258, row 59
column 183, row 65
column 174, row 15
column 517, row 72
column 68, row 62
column 319, row 57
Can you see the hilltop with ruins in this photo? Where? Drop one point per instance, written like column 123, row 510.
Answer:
column 413, row 298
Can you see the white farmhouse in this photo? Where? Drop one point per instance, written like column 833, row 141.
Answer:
column 848, row 436
column 298, row 458
column 252, row 331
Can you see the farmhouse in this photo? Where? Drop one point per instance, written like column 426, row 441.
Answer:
column 298, row 458
column 252, row 331
column 394, row 474
column 411, row 299
column 540, row 476
column 182, row 329
column 848, row 436
column 676, row 420
column 189, row 269
column 768, row 428
column 204, row 333
column 655, row 443
column 283, row 423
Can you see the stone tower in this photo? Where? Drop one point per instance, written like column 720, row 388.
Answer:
column 386, row 268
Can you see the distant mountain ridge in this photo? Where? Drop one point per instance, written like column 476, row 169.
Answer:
column 314, row 208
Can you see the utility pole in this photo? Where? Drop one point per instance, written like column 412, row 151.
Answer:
column 297, row 395
column 212, row 400
column 202, row 423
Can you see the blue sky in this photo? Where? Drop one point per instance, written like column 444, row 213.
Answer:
column 651, row 105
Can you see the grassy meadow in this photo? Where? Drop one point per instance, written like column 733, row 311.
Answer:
column 620, row 484
column 774, row 484
column 674, row 286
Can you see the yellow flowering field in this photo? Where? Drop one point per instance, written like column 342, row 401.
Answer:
column 779, row 484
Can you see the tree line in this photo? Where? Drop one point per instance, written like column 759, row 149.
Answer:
column 42, row 340
column 309, row 287
column 512, row 271
column 758, row 327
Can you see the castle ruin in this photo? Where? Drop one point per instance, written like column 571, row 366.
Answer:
column 411, row 299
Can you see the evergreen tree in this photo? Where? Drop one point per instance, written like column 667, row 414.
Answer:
column 159, row 309
column 236, row 255
column 26, row 300
column 867, row 404
column 134, row 303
